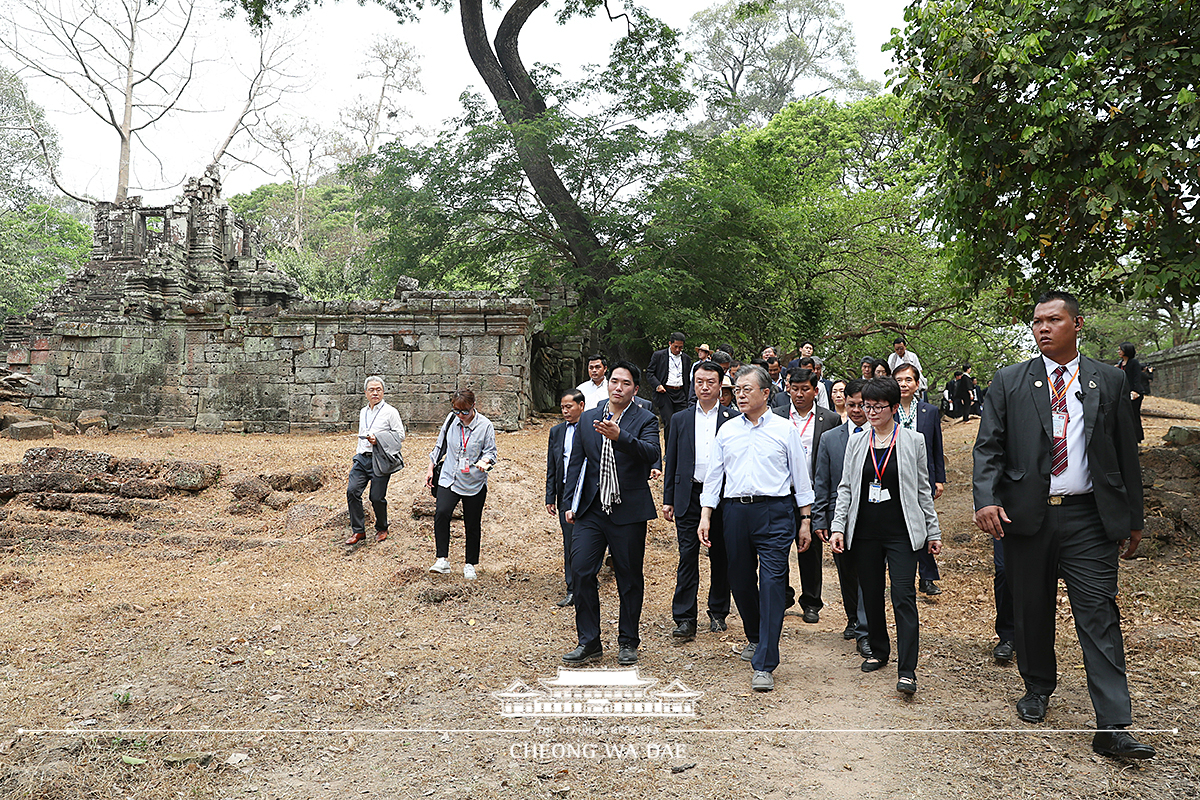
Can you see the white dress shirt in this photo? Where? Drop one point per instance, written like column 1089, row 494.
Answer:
column 674, row 370
column 909, row 357
column 568, row 442
column 1076, row 478
column 706, row 431
column 373, row 420
column 757, row 459
column 593, row 394
column 804, row 424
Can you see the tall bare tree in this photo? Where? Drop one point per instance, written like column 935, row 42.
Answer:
column 128, row 62
column 393, row 64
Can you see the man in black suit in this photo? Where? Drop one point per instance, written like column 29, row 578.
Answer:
column 667, row 375
column 964, row 393
column 685, row 465
column 811, row 420
column 608, row 492
column 828, row 475
column 558, row 453
column 1057, row 479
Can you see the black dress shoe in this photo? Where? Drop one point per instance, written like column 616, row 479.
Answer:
column 685, row 631
column 582, row 655
column 811, row 615
column 929, row 587
column 863, row 647
column 1119, row 744
column 716, row 624
column 1032, row 707
column 569, row 600
column 850, row 632
column 627, row 656
column 1003, row 653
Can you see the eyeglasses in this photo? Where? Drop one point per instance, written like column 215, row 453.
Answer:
column 464, row 412
column 876, row 409
column 747, row 389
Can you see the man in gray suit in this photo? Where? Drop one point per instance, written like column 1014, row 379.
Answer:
column 1057, row 479
column 811, row 420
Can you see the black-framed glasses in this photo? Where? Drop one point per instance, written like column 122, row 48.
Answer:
column 873, row 409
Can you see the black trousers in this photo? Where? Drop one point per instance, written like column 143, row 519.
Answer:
column 1071, row 544
column 759, row 540
column 472, row 505
column 1006, row 626
column 669, row 402
column 876, row 560
column 567, row 530
column 856, row 612
column 927, row 567
column 1137, row 415
column 361, row 473
column 594, row 531
column 811, row 576
column 687, row 574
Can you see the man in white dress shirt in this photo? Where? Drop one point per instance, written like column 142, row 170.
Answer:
column 902, row 355
column 667, row 375
column 595, row 388
column 759, row 460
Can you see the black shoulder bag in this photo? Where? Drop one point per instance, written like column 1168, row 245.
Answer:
column 437, row 466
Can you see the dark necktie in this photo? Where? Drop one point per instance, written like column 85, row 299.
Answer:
column 1058, row 405
column 858, row 429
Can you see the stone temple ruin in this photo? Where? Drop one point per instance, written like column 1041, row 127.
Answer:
column 179, row 321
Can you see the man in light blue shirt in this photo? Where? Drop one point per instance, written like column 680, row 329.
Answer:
column 759, row 466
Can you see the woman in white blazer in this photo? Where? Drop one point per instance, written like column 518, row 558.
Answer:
column 883, row 518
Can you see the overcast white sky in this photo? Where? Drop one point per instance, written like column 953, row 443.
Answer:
column 335, row 37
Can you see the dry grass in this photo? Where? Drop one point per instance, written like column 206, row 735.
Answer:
column 192, row 619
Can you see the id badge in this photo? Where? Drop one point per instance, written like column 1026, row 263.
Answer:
column 876, row 493
column 464, row 465
column 1059, row 421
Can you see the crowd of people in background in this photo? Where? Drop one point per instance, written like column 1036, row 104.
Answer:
column 761, row 456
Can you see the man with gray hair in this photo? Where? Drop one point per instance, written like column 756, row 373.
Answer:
column 379, row 426
column 758, row 466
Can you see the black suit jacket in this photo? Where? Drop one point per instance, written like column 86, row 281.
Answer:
column 1012, row 450
column 660, row 367
column 825, row 420
column 929, row 425
column 828, row 475
column 555, row 471
column 636, row 449
column 680, row 458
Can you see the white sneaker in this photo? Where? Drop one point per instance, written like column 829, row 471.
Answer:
column 442, row 566
column 469, row 571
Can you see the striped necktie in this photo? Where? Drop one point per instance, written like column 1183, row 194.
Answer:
column 1058, row 405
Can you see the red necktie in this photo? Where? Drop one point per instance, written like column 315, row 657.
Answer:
column 1058, row 405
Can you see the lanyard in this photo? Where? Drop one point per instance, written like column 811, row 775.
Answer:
column 466, row 437
column 1055, row 396
column 811, row 416
column 891, row 448
column 371, row 422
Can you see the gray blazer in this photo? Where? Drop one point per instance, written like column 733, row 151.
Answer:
column 916, row 499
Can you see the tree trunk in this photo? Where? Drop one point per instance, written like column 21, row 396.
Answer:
column 520, row 102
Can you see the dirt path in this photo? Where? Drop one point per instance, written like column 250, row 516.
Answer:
column 266, row 625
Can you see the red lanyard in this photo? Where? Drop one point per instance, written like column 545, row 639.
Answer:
column 811, row 416
column 891, row 447
column 466, row 437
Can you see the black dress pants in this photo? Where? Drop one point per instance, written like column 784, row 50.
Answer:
column 472, row 505
column 362, row 472
column 811, row 576
column 669, row 402
column 567, row 530
column 1071, row 544
column 1006, row 626
column 877, row 560
column 594, row 531
column 687, row 574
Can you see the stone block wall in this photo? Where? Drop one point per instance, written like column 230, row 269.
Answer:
column 288, row 370
column 1176, row 372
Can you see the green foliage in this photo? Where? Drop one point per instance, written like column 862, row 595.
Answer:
column 39, row 247
column 23, row 167
column 1069, row 132
column 313, row 234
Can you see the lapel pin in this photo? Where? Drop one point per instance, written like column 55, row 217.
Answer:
column 1037, row 383
column 1091, row 384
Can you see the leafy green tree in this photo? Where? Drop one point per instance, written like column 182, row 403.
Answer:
column 28, row 146
column 39, row 246
column 1069, row 133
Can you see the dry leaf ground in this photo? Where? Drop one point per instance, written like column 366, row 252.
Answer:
column 161, row 650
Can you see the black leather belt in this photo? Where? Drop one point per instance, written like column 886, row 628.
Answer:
column 757, row 498
column 697, row 484
column 1070, row 499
